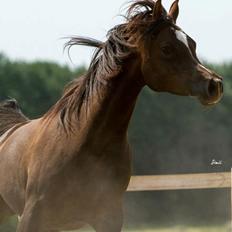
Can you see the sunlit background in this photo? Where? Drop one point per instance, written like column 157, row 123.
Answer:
column 32, row 29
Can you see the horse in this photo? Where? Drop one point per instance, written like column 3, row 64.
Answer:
column 72, row 166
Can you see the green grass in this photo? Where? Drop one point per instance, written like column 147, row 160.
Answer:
column 10, row 227
column 225, row 228
column 184, row 229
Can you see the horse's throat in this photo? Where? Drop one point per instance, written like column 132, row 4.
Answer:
column 117, row 104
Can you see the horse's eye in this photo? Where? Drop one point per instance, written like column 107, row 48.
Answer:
column 167, row 50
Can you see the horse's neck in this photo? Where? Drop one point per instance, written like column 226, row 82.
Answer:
column 111, row 112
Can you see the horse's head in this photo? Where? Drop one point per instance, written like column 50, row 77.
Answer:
column 168, row 54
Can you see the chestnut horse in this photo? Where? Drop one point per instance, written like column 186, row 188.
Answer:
column 72, row 166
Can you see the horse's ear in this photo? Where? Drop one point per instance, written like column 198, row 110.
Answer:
column 174, row 10
column 158, row 10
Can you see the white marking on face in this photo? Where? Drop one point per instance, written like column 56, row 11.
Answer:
column 181, row 36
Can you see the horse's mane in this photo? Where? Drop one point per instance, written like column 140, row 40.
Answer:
column 10, row 115
column 108, row 58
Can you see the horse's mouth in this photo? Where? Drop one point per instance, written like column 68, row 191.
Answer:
column 213, row 92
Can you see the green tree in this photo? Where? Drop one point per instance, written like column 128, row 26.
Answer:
column 36, row 86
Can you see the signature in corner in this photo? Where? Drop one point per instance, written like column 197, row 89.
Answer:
column 214, row 162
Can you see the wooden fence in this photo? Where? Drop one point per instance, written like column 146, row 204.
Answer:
column 182, row 182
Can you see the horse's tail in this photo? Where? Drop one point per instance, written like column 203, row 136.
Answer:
column 10, row 115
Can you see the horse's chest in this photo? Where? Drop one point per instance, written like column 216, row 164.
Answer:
column 99, row 173
column 106, row 170
column 91, row 180
column 89, row 183
column 109, row 162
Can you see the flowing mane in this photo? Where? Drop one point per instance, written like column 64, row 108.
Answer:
column 109, row 56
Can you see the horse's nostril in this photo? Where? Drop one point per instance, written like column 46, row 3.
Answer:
column 215, row 87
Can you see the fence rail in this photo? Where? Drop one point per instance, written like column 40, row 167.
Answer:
column 180, row 182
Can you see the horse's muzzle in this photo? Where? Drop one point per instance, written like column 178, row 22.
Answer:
column 213, row 92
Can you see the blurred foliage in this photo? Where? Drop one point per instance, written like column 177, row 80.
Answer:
column 176, row 135
column 169, row 134
column 35, row 85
